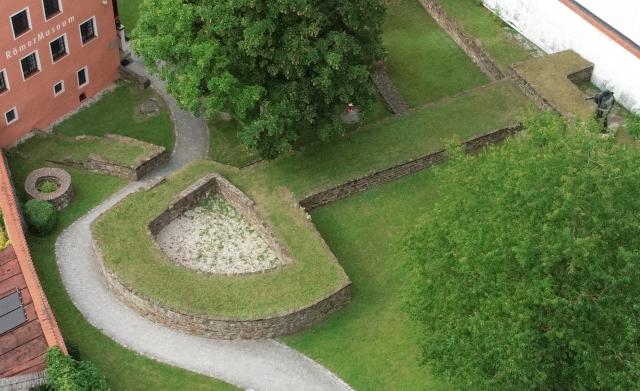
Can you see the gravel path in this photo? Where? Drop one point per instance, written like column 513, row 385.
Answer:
column 256, row 365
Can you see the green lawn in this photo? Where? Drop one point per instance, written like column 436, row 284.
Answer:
column 129, row 13
column 424, row 63
column 496, row 37
column 397, row 139
column 116, row 113
column 55, row 147
column 224, row 145
column 372, row 344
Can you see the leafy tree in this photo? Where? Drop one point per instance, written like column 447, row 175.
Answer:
column 66, row 374
column 277, row 66
column 527, row 267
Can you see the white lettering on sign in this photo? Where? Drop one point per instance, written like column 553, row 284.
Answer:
column 39, row 37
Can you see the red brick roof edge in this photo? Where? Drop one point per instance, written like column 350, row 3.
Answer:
column 13, row 224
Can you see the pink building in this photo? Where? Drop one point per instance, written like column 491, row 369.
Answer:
column 54, row 54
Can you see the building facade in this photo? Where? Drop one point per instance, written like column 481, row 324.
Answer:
column 54, row 55
column 606, row 33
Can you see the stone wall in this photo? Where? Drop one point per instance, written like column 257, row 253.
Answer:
column 156, row 158
column 215, row 183
column 227, row 328
column 390, row 94
column 220, row 327
column 555, row 25
column 61, row 197
column 390, row 174
column 530, row 92
column 129, row 76
column 473, row 49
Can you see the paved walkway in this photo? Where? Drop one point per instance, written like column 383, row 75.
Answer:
column 257, row 365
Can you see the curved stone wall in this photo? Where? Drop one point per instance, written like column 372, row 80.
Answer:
column 215, row 183
column 61, row 197
column 227, row 328
column 219, row 327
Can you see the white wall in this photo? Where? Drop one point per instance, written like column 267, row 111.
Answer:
column 554, row 27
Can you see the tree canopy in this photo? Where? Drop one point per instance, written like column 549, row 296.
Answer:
column 279, row 67
column 527, row 267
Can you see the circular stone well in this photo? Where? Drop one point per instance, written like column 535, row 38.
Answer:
column 61, row 197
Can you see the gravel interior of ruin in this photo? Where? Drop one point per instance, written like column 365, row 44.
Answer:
column 214, row 238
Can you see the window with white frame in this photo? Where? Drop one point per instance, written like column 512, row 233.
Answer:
column 4, row 83
column 11, row 116
column 20, row 22
column 58, row 48
column 51, row 8
column 58, row 88
column 83, row 77
column 88, row 30
column 30, row 64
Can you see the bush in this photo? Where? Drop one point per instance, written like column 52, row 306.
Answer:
column 48, row 186
column 4, row 237
column 633, row 125
column 66, row 374
column 41, row 216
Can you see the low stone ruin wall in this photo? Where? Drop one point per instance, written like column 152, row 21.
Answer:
column 286, row 323
column 477, row 54
column 95, row 163
column 215, row 183
column 390, row 174
column 228, row 328
column 390, row 94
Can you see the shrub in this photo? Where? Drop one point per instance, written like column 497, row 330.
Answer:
column 48, row 186
column 66, row 374
column 633, row 125
column 41, row 216
column 4, row 238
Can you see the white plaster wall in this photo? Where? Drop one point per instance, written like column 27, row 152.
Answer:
column 554, row 27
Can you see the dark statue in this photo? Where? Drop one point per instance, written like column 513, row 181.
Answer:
column 605, row 101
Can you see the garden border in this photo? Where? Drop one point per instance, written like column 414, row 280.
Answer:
column 354, row 186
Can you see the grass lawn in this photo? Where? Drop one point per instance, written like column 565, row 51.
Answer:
column 397, row 139
column 424, row 63
column 116, row 113
column 129, row 13
column 496, row 37
column 129, row 251
column 372, row 344
column 56, row 147
column 224, row 145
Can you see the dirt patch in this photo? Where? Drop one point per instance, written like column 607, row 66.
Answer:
column 213, row 237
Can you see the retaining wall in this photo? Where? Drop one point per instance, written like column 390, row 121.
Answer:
column 557, row 25
column 377, row 178
column 215, row 183
column 477, row 54
column 289, row 322
column 95, row 163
